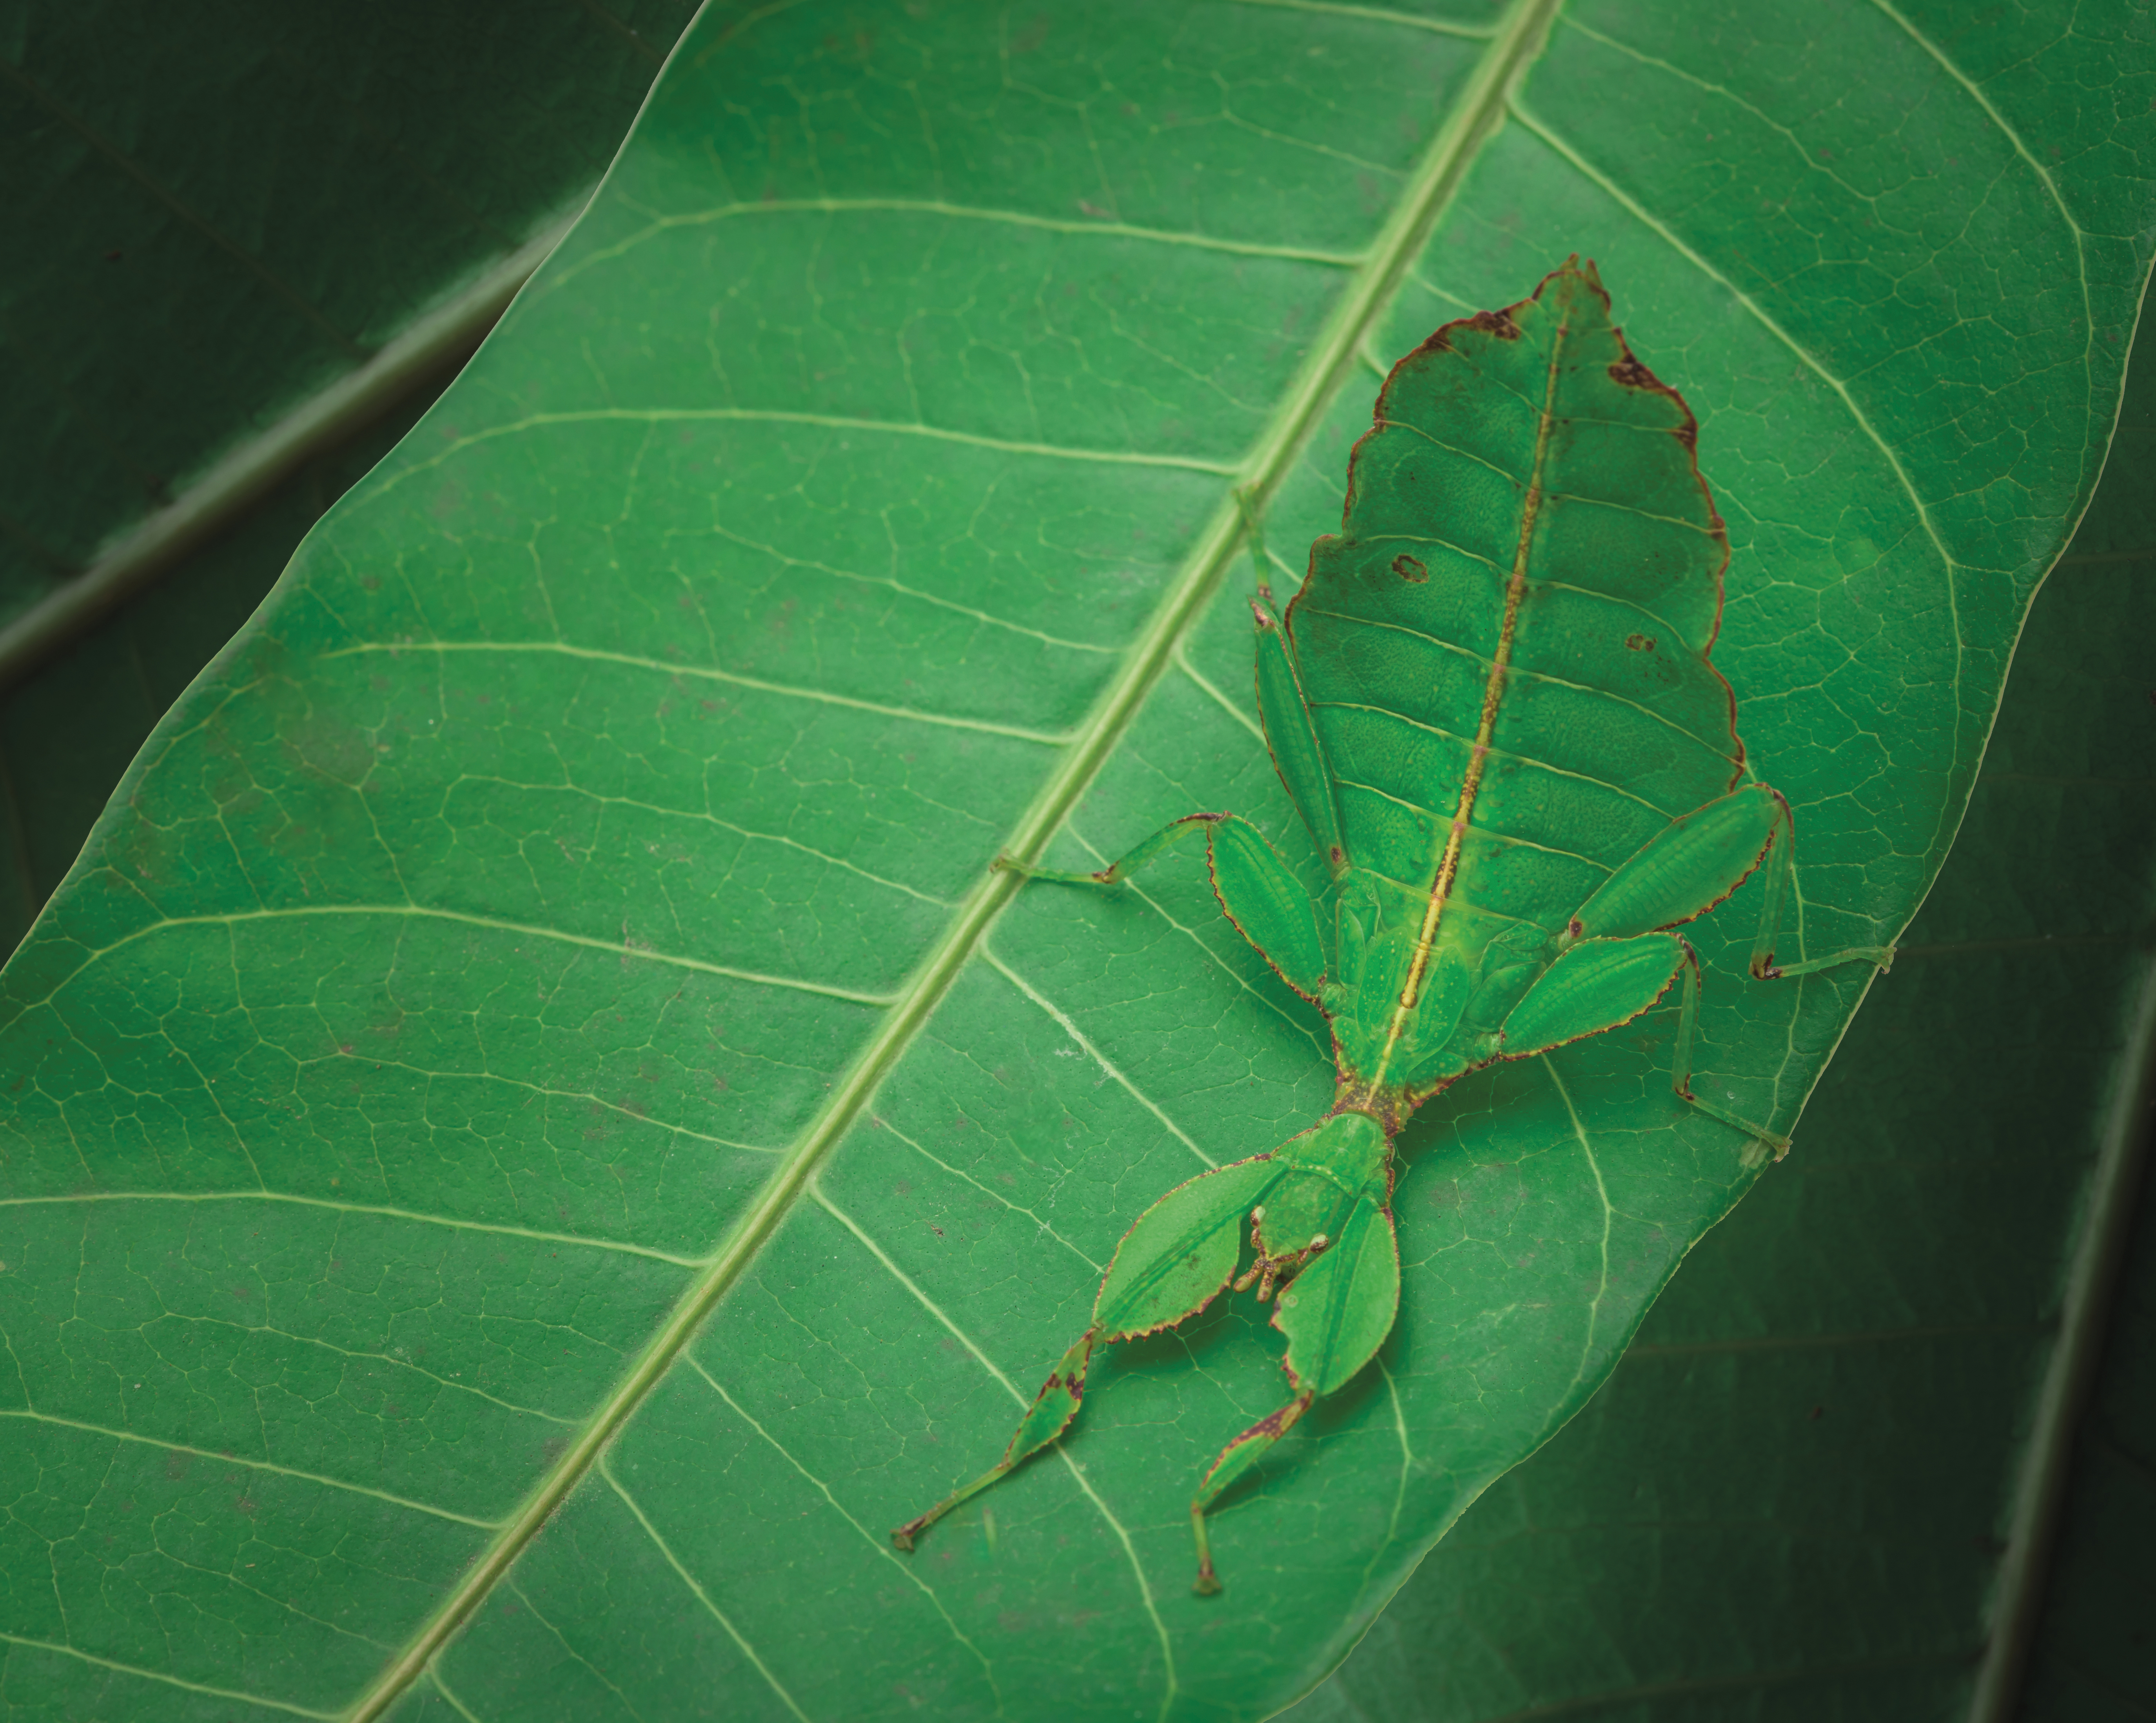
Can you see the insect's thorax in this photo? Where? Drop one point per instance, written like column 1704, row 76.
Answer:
column 1478, row 967
column 1324, row 1171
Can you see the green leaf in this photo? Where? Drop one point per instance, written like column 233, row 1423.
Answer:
column 1808, row 1488
column 534, row 1126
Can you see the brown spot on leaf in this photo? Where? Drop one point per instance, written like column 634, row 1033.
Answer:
column 1497, row 323
column 1411, row 569
column 1632, row 374
column 1639, row 642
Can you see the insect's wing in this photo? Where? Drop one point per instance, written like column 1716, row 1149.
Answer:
column 1267, row 903
column 1297, row 754
column 1610, row 719
column 1337, row 1312
column 1691, row 866
column 1180, row 1251
column 1596, row 986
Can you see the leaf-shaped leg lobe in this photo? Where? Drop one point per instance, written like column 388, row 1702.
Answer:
column 1181, row 1252
column 1254, row 889
column 1176, row 1257
column 1267, row 903
column 1237, row 1458
column 1686, row 869
column 1336, row 1313
column 1292, row 740
column 1047, row 1418
column 1596, row 986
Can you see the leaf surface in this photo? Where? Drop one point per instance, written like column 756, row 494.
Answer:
column 534, row 1134
column 1857, row 1360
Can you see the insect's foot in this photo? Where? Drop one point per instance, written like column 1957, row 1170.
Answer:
column 903, row 1537
column 1209, row 1582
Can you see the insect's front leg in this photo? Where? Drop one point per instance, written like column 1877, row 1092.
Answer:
column 1268, row 1268
column 1336, row 1313
column 1176, row 1257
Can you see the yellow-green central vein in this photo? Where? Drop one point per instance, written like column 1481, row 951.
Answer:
column 1493, row 695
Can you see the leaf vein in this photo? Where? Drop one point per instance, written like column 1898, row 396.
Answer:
column 706, row 673
column 1091, row 1052
column 31, row 1414
column 881, row 1546
column 697, row 1591
column 136, row 1670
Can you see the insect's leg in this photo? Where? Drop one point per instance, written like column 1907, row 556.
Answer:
column 1123, row 866
column 1685, row 869
column 1781, row 871
column 1049, row 1417
column 1182, row 1250
column 1336, row 1313
column 1264, row 901
column 1237, row 1458
column 1177, row 1255
column 1595, row 985
column 1291, row 739
column 1681, row 1074
column 1267, row 903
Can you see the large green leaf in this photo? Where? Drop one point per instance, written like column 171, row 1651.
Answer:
column 1803, row 1491
column 534, row 1135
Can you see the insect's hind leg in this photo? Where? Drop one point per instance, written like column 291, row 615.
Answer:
column 1237, row 1458
column 1781, row 873
column 1049, row 1416
column 1763, row 1139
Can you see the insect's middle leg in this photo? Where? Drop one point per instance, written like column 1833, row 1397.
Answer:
column 1123, row 866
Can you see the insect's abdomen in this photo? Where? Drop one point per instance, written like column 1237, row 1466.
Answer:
column 1530, row 442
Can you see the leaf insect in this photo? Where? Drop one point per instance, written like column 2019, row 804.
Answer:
column 1492, row 704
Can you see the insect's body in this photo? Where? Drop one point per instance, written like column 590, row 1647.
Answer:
column 1492, row 706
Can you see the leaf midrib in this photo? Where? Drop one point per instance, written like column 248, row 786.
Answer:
column 1334, row 356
